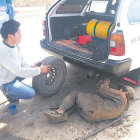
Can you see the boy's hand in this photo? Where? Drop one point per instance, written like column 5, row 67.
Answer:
column 37, row 64
column 44, row 69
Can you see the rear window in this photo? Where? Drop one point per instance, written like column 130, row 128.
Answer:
column 104, row 6
column 98, row 6
column 71, row 6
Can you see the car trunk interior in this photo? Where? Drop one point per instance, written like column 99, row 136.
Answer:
column 66, row 32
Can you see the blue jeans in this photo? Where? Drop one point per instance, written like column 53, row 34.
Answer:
column 17, row 90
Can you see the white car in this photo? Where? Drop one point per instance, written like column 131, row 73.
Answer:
column 102, row 36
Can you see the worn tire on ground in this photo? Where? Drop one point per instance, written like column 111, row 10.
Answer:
column 35, row 83
column 50, row 83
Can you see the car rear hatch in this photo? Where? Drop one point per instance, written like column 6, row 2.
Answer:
column 80, row 28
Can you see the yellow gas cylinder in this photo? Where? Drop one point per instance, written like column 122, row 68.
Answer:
column 103, row 29
column 90, row 27
column 98, row 28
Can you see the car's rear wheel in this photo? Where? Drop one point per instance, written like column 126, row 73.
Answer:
column 50, row 83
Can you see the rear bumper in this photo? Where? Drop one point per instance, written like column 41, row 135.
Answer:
column 118, row 67
column 110, row 67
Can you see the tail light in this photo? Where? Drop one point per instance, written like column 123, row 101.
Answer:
column 43, row 25
column 117, row 46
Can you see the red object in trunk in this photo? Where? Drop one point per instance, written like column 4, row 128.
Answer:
column 84, row 39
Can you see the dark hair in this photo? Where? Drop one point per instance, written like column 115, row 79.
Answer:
column 9, row 27
column 124, row 88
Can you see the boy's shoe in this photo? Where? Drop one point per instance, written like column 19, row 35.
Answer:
column 55, row 117
column 13, row 101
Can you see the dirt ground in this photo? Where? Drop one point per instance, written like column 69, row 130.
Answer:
column 31, row 124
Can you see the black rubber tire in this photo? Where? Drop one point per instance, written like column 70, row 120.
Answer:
column 35, row 83
column 50, row 83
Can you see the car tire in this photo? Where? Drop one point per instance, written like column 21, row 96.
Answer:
column 35, row 83
column 50, row 83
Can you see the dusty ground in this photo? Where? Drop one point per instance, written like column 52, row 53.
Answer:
column 31, row 123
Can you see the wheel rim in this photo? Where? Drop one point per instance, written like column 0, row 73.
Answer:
column 52, row 79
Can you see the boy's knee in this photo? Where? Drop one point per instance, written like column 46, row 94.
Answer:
column 31, row 94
